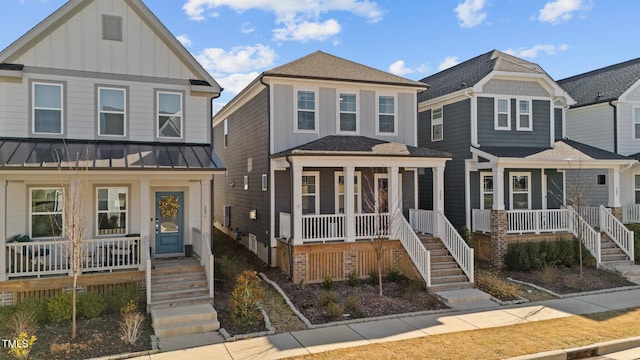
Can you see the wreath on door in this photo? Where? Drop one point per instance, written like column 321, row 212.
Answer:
column 169, row 206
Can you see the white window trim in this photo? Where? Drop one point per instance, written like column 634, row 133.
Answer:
column 264, row 182
column 635, row 188
column 483, row 175
column 125, row 211
column 435, row 122
column 31, row 213
column 349, row 92
column 496, row 123
column 158, row 114
column 33, row 107
column 124, row 112
column 295, row 111
column 226, row 132
column 246, row 182
column 395, row 114
column 519, row 127
column 605, row 179
column 357, row 174
column 511, row 176
column 636, row 136
column 376, row 178
column 316, row 175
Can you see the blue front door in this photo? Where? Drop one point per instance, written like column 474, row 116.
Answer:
column 169, row 221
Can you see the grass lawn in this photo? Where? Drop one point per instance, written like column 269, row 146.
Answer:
column 503, row 342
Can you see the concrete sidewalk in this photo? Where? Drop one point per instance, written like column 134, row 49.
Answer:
column 342, row 336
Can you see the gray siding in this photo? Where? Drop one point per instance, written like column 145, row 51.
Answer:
column 593, row 125
column 488, row 136
column 581, row 184
column 536, row 188
column 456, row 140
column 248, row 138
column 282, row 196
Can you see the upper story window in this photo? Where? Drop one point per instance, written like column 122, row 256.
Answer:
column 306, row 111
column 47, row 108
column 503, row 114
column 636, row 122
column 47, row 206
column 348, row 112
column 226, row 132
column 111, row 108
column 437, row 126
column 169, row 115
column 386, row 115
column 524, row 116
column 112, row 211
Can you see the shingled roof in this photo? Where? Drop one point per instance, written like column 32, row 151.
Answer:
column 336, row 145
column 562, row 150
column 323, row 66
column 602, row 85
column 470, row 72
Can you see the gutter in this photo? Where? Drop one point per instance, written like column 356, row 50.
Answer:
column 291, row 222
column 615, row 126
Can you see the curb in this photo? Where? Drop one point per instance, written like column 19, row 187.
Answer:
column 127, row 355
column 566, row 296
column 584, row 351
column 267, row 323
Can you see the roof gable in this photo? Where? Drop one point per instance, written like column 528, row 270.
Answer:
column 147, row 48
column 323, row 66
column 602, row 85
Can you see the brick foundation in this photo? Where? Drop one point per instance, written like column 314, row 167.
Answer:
column 499, row 240
column 6, row 298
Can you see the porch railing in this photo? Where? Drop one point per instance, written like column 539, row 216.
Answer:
column 582, row 230
column 285, row 225
column 591, row 214
column 52, row 257
column 481, row 220
column 618, row 233
column 631, row 214
column 325, row 227
column 147, row 258
column 207, row 260
column 372, row 225
column 414, row 247
column 421, row 220
column 537, row 221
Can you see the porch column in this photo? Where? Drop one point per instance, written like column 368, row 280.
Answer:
column 498, row 188
column 205, row 222
column 146, row 219
column 296, row 211
column 393, row 200
column 614, row 187
column 438, row 198
column 3, row 231
column 499, row 220
column 349, row 206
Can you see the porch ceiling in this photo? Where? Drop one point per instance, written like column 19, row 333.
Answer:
column 21, row 154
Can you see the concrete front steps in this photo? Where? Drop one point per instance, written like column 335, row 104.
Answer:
column 184, row 320
column 178, row 282
column 445, row 272
column 611, row 253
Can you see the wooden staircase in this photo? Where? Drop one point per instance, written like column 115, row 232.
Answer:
column 180, row 302
column 445, row 272
column 611, row 253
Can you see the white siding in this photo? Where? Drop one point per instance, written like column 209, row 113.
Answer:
column 627, row 144
column 627, row 184
column 17, row 199
column 515, row 88
column 592, row 125
column 633, row 94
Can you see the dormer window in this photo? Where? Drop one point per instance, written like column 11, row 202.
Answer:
column 112, row 114
column 306, row 111
column 47, row 108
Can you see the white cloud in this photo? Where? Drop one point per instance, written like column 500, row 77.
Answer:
column 533, row 51
column 400, row 68
column 247, row 28
column 234, row 83
column 305, row 31
column 184, row 40
column 470, row 13
column 448, row 62
column 561, row 10
column 239, row 59
column 299, row 20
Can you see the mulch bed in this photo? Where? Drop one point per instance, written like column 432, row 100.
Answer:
column 567, row 280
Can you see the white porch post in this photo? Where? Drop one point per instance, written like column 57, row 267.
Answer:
column 205, row 222
column 438, row 197
column 146, row 219
column 393, row 200
column 498, row 188
column 3, row 231
column 349, row 206
column 614, row 188
column 296, row 212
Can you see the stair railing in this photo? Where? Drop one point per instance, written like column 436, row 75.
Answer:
column 146, row 250
column 417, row 252
column 618, row 233
column 585, row 233
column 462, row 253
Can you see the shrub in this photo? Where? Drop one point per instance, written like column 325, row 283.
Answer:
column 490, row 283
column 37, row 306
column 537, row 255
column 517, row 259
column 327, row 298
column 352, row 303
column 374, row 277
column 393, row 275
column 245, row 299
column 131, row 324
column 636, row 240
column 466, row 235
column 119, row 296
column 60, row 307
column 352, row 278
column 327, row 283
column 548, row 274
column 22, row 352
column 23, row 321
column 91, row 305
column 6, row 313
column 334, row 311
column 226, row 268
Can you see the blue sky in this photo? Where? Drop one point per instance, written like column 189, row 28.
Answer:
column 237, row 39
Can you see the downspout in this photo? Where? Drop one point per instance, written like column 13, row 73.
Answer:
column 291, row 222
column 269, row 255
column 211, row 184
column 615, row 126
